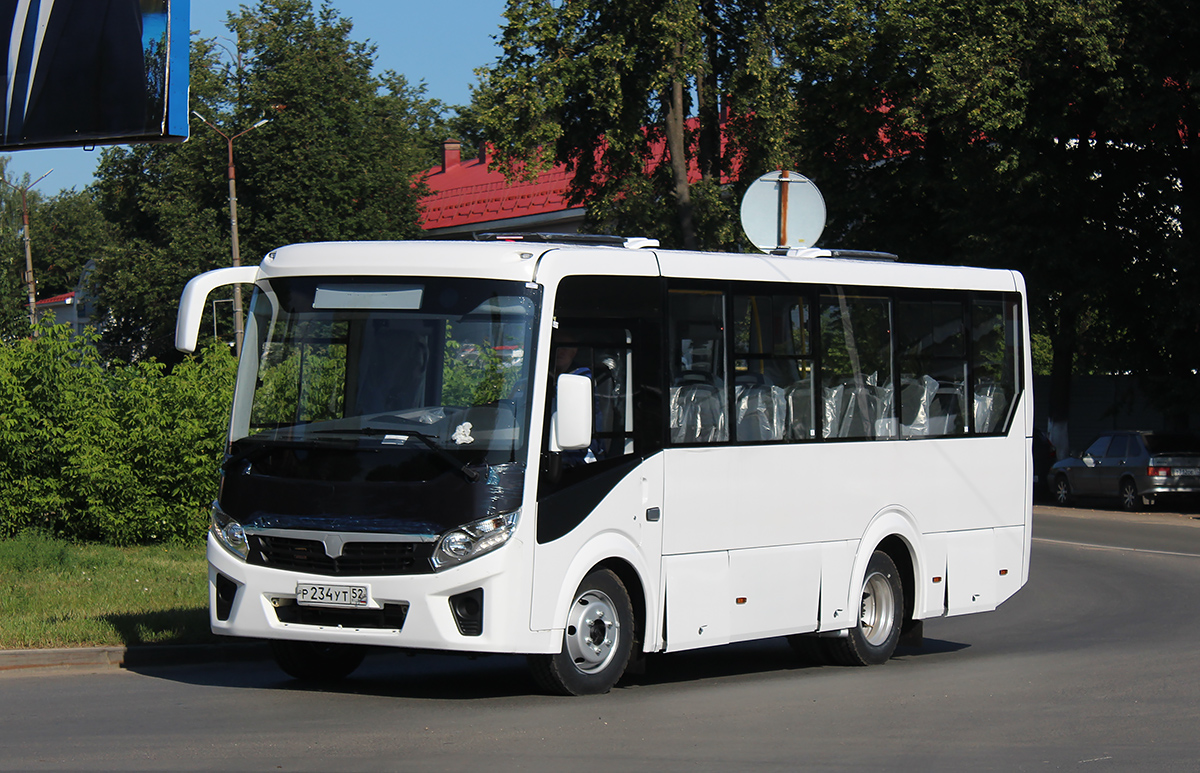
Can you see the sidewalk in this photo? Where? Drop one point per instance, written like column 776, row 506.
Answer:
column 131, row 657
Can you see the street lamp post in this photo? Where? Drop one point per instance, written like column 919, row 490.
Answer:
column 32, row 287
column 233, row 224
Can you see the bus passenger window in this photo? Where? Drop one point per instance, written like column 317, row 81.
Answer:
column 856, row 372
column 772, row 369
column 932, row 360
column 698, row 389
column 995, row 328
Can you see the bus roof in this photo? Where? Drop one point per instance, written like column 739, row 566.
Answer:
column 520, row 261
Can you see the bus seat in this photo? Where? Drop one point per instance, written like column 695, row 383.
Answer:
column 858, row 412
column 799, row 407
column 761, row 412
column 697, row 412
column 990, row 406
column 606, row 388
column 916, row 402
column 945, row 415
column 831, row 403
column 391, row 373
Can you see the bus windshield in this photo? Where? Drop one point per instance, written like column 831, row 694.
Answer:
column 361, row 401
column 436, row 362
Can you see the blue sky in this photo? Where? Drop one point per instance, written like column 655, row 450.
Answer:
column 440, row 43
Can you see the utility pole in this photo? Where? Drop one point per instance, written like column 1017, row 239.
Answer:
column 24, row 189
column 233, row 224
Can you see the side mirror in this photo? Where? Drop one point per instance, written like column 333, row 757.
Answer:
column 1088, row 460
column 571, row 424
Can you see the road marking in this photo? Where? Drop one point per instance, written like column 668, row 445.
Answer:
column 1115, row 547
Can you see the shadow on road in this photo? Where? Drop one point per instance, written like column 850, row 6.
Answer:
column 438, row 676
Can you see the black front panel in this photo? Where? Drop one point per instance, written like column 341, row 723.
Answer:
column 390, row 617
column 358, row 559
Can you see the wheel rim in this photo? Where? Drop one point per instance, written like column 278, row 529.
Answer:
column 593, row 631
column 1129, row 495
column 878, row 609
column 1061, row 491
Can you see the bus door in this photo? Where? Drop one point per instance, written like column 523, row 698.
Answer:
column 604, row 501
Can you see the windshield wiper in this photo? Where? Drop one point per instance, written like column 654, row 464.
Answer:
column 441, row 453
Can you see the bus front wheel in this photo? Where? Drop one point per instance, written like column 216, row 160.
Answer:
column 881, row 612
column 311, row 661
column 597, row 642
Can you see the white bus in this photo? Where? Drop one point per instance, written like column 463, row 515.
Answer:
column 592, row 450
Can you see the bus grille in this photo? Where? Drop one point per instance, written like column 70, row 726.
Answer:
column 391, row 617
column 358, row 559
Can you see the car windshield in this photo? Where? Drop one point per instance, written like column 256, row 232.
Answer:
column 1172, row 443
column 412, row 363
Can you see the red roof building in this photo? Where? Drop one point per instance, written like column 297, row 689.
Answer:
column 466, row 198
column 67, row 308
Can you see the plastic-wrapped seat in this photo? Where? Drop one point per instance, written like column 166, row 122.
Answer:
column 761, row 411
column 991, row 403
column 946, row 415
column 697, row 411
column 798, row 399
column 916, row 404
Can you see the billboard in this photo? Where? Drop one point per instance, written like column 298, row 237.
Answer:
column 93, row 72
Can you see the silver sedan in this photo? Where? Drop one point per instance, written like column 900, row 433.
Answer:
column 1135, row 467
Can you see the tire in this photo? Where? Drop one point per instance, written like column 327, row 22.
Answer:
column 881, row 613
column 1062, row 491
column 597, row 641
column 317, row 661
column 1131, row 501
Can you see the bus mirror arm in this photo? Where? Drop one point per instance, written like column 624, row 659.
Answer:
column 571, row 423
column 195, row 295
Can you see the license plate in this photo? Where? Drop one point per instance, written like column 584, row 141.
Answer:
column 313, row 594
column 1181, row 471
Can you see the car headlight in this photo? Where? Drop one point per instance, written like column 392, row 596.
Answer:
column 474, row 539
column 229, row 533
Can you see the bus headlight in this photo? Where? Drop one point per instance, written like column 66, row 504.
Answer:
column 229, row 533
column 474, row 539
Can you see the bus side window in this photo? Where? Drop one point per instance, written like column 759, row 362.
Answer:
column 932, row 359
column 995, row 330
column 856, row 373
column 773, row 368
column 698, row 393
column 603, row 354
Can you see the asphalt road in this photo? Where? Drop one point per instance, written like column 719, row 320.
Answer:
column 1092, row 666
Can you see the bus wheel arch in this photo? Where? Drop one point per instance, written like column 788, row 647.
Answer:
column 880, row 615
column 902, row 556
column 889, row 549
column 598, row 638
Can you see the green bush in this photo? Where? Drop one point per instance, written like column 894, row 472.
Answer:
column 125, row 454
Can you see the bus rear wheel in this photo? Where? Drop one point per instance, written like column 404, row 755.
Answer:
column 597, row 642
column 881, row 613
column 311, row 661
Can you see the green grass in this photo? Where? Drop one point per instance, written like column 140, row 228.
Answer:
column 57, row 594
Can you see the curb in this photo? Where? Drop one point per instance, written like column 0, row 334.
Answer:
column 130, row 657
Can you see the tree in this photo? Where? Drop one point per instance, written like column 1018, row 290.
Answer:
column 14, row 298
column 973, row 133
column 632, row 97
column 338, row 159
